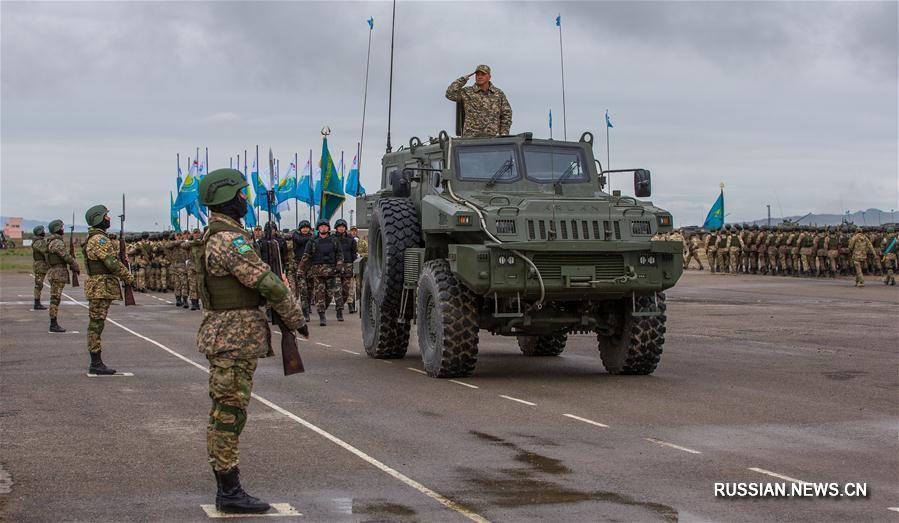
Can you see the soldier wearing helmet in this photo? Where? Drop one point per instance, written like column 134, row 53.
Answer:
column 347, row 246
column 39, row 267
column 301, row 287
column 60, row 260
column 233, row 284
column 196, row 241
column 323, row 259
column 860, row 246
column 891, row 245
column 104, row 273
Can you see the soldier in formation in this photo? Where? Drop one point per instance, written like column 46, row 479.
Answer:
column 301, row 285
column 60, row 260
column 323, row 261
column 178, row 254
column 486, row 109
column 792, row 250
column 39, row 266
column 104, row 274
column 234, row 282
column 347, row 246
column 196, row 241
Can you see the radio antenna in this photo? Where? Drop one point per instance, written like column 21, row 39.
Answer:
column 390, row 91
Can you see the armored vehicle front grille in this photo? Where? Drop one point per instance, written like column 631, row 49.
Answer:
column 605, row 265
column 641, row 228
column 505, row 226
column 542, row 230
column 532, row 235
column 563, row 226
column 596, row 230
column 617, row 230
column 574, row 232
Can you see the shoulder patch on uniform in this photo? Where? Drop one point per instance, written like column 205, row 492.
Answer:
column 102, row 241
column 237, row 242
column 243, row 249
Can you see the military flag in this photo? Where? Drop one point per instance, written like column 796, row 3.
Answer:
column 188, row 192
column 174, row 218
column 332, row 195
column 715, row 219
column 305, row 193
column 353, row 184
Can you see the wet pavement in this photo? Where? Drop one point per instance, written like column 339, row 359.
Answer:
column 763, row 378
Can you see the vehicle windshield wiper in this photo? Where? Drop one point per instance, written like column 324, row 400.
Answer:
column 506, row 166
column 567, row 172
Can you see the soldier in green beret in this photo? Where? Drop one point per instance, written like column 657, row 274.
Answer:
column 104, row 273
column 39, row 266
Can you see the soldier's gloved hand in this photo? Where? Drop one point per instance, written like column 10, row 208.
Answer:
column 304, row 331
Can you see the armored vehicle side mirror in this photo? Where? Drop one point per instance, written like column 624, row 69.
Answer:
column 400, row 185
column 642, row 183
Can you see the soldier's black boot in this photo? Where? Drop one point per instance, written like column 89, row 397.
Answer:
column 306, row 314
column 340, row 314
column 54, row 327
column 97, row 366
column 322, row 321
column 194, row 305
column 184, row 302
column 38, row 306
column 231, row 498
column 178, row 300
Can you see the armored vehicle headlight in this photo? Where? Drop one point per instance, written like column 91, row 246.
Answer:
column 664, row 220
column 511, row 260
column 502, row 260
column 464, row 219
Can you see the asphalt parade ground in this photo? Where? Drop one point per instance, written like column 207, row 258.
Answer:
column 763, row 379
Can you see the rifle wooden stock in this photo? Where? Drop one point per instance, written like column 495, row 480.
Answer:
column 72, row 252
column 127, row 289
column 290, row 353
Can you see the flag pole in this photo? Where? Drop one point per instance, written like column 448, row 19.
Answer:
column 608, row 152
column 311, row 186
column 343, row 178
column 371, row 28
column 186, row 210
column 178, row 162
column 562, row 63
column 296, row 187
column 550, row 124
column 258, row 176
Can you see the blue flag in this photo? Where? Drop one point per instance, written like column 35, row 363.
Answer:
column 174, row 219
column 305, row 193
column 715, row 218
column 332, row 186
column 194, row 210
column 259, row 188
column 353, row 184
column 559, row 21
column 187, row 194
column 608, row 120
column 179, row 181
column 287, row 187
column 371, row 23
column 250, row 217
column 550, row 118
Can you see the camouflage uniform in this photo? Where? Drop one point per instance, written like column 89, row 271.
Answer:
column 806, row 253
column 60, row 260
column 344, row 270
column 487, row 113
column 889, row 258
column 179, row 252
column 325, row 265
column 138, row 258
column 40, row 266
column 233, row 339
column 711, row 250
column 102, row 285
column 192, row 288
column 761, row 246
column 860, row 246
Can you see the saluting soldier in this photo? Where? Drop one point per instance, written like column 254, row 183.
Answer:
column 486, row 108
column 60, row 260
column 323, row 254
column 104, row 272
column 39, row 267
column 233, row 283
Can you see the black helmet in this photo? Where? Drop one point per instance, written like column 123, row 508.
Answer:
column 304, row 223
column 145, row 235
column 340, row 222
column 322, row 222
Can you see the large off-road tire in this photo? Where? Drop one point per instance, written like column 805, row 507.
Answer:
column 394, row 227
column 547, row 345
column 383, row 336
column 637, row 347
column 447, row 315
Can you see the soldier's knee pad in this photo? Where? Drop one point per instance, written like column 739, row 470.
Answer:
column 235, row 427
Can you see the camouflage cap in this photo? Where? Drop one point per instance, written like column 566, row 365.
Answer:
column 482, row 69
column 95, row 215
column 38, row 231
column 55, row 227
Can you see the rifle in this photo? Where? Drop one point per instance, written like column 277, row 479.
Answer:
column 290, row 353
column 127, row 290
column 72, row 251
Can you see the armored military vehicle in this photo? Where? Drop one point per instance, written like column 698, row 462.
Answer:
column 517, row 237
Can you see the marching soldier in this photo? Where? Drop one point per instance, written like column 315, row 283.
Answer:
column 361, row 252
column 860, row 246
column 806, row 253
column 192, row 288
column 324, row 256
column 711, row 250
column 234, row 282
column 723, row 249
column 59, row 259
column 301, row 237
column 761, row 245
column 486, row 108
column 179, row 252
column 889, row 257
column 104, row 270
column 347, row 246
column 39, row 266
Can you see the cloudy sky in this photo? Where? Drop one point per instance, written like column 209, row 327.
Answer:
column 792, row 104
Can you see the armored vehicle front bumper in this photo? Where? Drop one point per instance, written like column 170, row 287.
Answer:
column 570, row 270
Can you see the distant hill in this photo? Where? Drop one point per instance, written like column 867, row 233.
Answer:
column 28, row 224
column 867, row 217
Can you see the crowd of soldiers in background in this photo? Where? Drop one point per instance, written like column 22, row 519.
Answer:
column 164, row 261
column 794, row 250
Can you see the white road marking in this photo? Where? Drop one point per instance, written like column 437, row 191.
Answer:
column 672, row 445
column 417, row 370
column 281, row 510
column 585, row 420
column 469, row 385
column 894, row 509
column 518, row 400
column 167, row 301
column 436, row 496
column 387, row 362
column 123, row 374
column 350, row 351
column 323, row 344
column 776, row 475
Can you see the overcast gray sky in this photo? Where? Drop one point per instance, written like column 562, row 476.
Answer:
column 792, row 104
